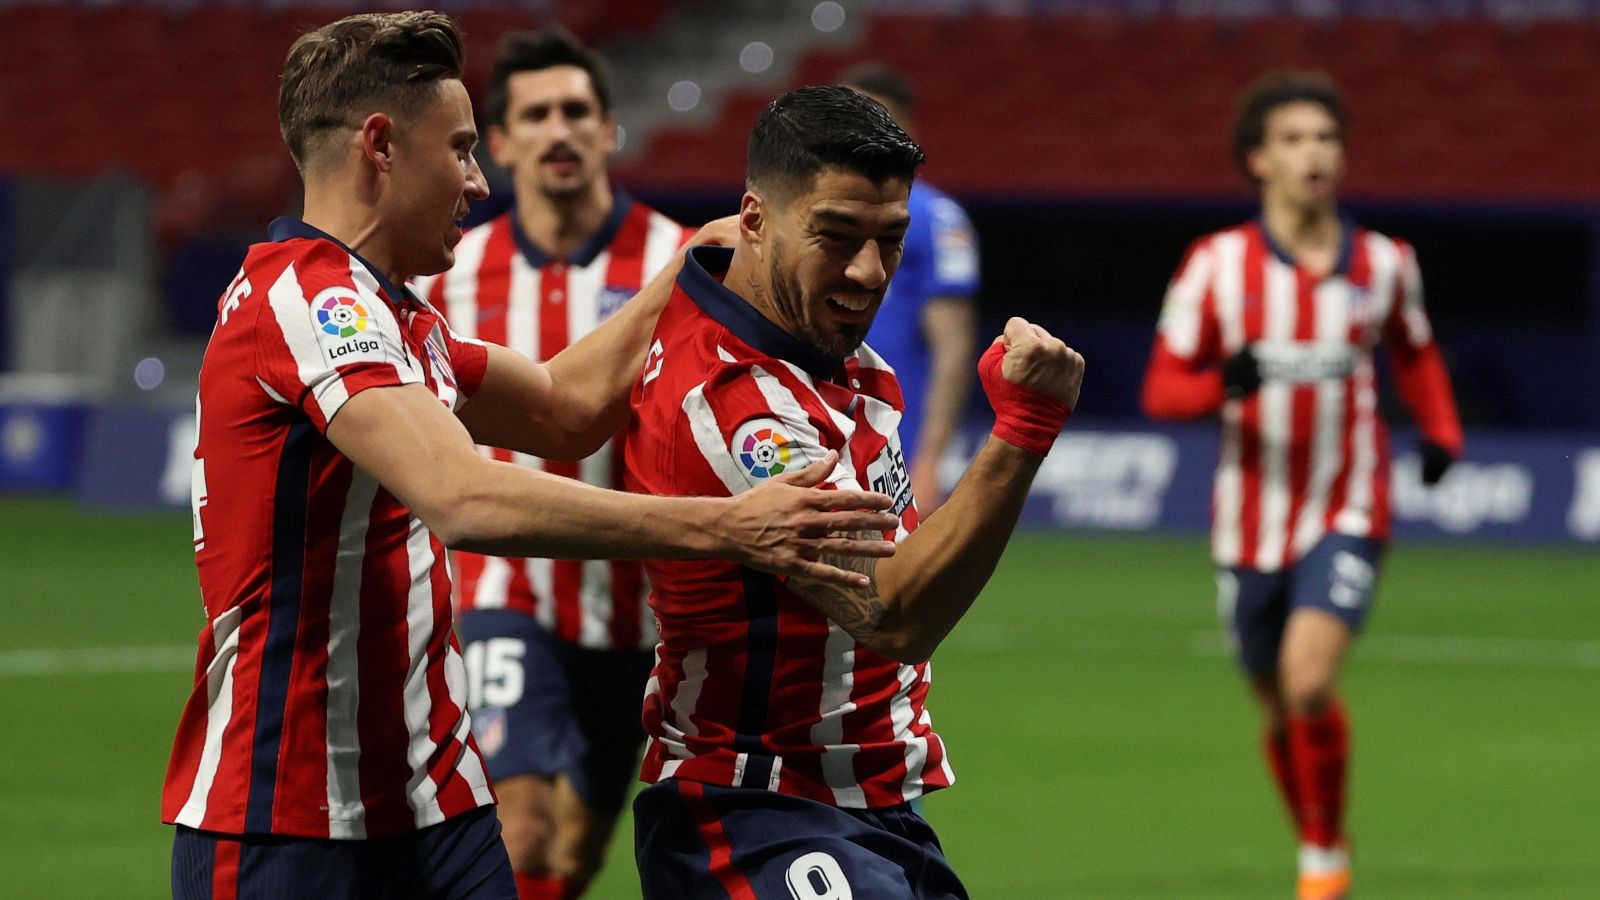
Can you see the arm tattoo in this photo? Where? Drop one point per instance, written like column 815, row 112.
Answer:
column 859, row 611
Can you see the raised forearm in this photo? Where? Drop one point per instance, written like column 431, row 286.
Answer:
column 919, row 595
column 942, row 567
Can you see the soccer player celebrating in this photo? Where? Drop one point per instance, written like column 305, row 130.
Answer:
column 929, row 322
column 562, row 735
column 788, row 734
column 1273, row 324
column 325, row 749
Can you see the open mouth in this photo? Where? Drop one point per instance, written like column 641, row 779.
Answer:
column 850, row 307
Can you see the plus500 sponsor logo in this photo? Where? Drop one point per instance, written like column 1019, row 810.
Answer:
column 1470, row 496
column 1108, row 479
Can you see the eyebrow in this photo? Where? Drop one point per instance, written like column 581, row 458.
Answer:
column 470, row 135
column 849, row 221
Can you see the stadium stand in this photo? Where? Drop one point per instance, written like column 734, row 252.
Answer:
column 1503, row 108
column 1500, row 110
column 162, row 90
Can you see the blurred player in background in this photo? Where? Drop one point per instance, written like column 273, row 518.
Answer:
column 325, row 749
column 787, row 728
column 1272, row 324
column 928, row 326
column 562, row 735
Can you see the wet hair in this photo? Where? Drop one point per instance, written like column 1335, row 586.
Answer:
column 811, row 129
column 1274, row 90
column 337, row 75
column 533, row 51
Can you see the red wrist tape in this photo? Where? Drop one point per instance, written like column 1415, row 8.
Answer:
column 1023, row 417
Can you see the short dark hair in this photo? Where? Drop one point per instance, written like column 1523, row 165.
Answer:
column 1275, row 89
column 879, row 80
column 533, row 51
column 374, row 62
column 815, row 128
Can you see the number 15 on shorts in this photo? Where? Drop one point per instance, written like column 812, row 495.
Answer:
column 494, row 671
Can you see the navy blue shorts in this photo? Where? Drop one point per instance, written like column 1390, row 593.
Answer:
column 695, row 841
column 1338, row 575
column 458, row 859
column 543, row 706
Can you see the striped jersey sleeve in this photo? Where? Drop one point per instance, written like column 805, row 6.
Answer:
column 327, row 335
column 1188, row 324
column 753, row 420
column 1408, row 321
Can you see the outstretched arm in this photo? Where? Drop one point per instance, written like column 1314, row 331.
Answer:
column 405, row 438
column 916, row 598
column 567, row 408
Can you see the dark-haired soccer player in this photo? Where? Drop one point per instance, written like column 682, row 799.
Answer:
column 557, row 651
column 325, row 750
column 1272, row 325
column 929, row 320
column 788, row 732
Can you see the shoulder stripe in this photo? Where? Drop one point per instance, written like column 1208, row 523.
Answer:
column 708, row 439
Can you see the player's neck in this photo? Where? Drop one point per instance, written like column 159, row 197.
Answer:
column 1309, row 234
column 746, row 278
column 353, row 224
column 560, row 226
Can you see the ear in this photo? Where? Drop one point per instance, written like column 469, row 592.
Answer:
column 377, row 141
column 753, row 218
column 608, row 132
column 1255, row 161
column 498, row 151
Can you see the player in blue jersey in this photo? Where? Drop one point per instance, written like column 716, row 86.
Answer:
column 928, row 323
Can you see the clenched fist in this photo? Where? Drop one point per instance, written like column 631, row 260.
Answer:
column 1032, row 380
column 1037, row 360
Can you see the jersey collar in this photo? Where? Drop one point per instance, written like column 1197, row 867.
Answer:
column 285, row 228
column 537, row 257
column 1347, row 243
column 701, row 279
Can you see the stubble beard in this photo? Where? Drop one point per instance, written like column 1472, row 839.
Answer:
column 786, row 300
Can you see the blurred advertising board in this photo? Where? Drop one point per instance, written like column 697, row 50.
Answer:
column 1101, row 475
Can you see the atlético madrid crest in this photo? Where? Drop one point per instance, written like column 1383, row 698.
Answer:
column 489, row 727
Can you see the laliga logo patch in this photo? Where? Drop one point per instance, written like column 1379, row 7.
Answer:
column 340, row 313
column 762, row 449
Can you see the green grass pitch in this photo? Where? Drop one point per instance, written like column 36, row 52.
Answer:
column 1103, row 743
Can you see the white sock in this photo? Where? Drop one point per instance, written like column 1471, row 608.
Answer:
column 1316, row 860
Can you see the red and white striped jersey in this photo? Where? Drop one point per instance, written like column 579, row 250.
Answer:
column 505, row 289
column 329, row 695
column 1308, row 453
column 752, row 686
